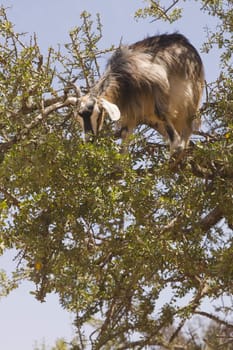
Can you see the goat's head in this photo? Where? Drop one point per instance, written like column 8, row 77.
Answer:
column 92, row 111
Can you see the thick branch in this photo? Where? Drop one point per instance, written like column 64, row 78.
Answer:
column 58, row 104
column 214, row 318
column 46, row 111
column 211, row 170
column 211, row 219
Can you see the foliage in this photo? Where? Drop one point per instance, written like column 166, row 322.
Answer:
column 60, row 344
column 159, row 10
column 112, row 233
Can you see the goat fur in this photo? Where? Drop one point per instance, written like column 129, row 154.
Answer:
column 157, row 81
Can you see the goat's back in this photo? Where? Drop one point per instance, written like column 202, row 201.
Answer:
column 173, row 50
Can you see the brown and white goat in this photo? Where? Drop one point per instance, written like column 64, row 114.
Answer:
column 157, row 81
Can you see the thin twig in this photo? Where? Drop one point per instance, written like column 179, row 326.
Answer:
column 162, row 11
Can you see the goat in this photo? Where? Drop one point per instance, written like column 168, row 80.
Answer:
column 157, row 81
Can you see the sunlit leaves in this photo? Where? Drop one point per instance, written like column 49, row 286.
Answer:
column 160, row 10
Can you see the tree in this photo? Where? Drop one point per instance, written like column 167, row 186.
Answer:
column 110, row 232
column 218, row 337
column 59, row 345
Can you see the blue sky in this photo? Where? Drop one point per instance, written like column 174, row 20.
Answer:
column 23, row 320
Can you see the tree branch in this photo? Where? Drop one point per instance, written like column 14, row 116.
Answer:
column 211, row 170
column 214, row 318
column 71, row 100
column 52, row 106
column 211, row 219
column 163, row 12
column 202, row 291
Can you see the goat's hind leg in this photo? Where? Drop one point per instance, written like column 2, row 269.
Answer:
column 177, row 143
column 166, row 128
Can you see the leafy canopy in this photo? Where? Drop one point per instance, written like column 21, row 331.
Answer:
column 110, row 232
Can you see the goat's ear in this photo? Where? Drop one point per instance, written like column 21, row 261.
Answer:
column 112, row 109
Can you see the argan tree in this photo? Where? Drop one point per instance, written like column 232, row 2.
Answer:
column 110, row 232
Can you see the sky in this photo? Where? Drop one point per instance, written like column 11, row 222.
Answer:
column 23, row 320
